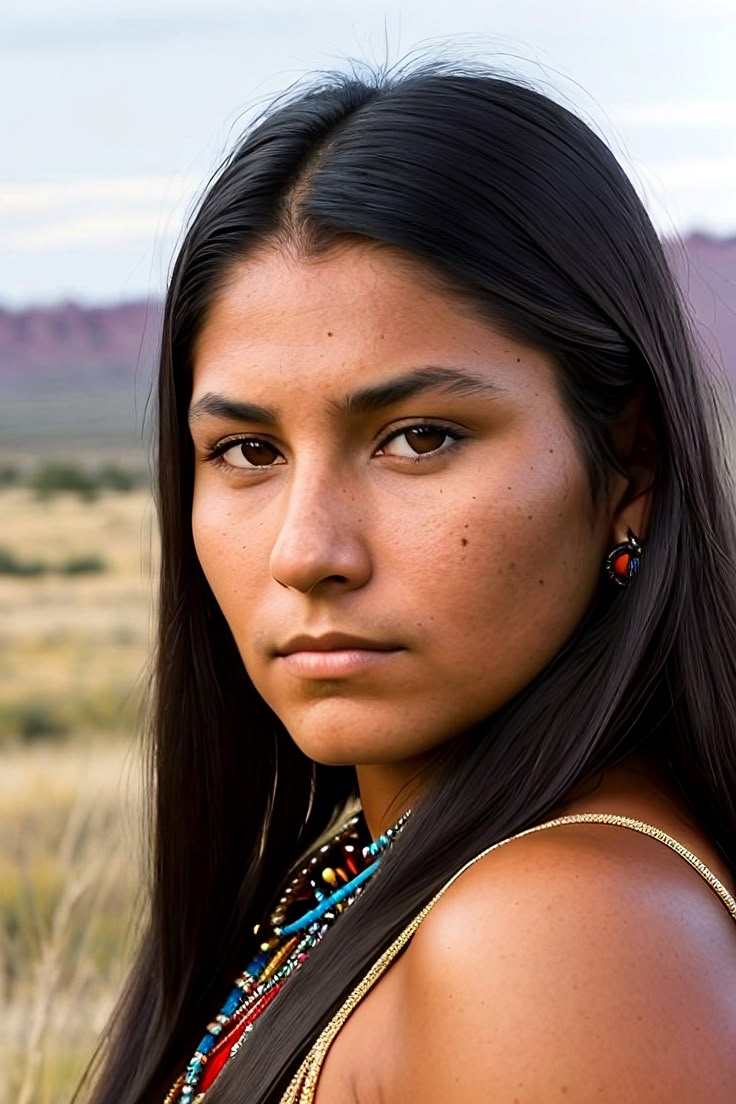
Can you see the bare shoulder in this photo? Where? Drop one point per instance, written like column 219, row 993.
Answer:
column 584, row 962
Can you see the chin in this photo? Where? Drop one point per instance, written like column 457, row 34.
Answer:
column 341, row 752
column 350, row 744
column 368, row 731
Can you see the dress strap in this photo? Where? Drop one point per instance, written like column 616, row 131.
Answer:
column 303, row 1086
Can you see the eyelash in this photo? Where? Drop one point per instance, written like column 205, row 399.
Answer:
column 216, row 455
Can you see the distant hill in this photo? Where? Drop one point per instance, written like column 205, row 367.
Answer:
column 705, row 268
column 74, row 377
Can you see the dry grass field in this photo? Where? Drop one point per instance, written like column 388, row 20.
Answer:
column 73, row 649
column 73, row 646
column 70, row 862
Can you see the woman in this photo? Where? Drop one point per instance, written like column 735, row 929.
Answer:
column 445, row 531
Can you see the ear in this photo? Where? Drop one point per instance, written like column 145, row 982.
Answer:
column 635, row 442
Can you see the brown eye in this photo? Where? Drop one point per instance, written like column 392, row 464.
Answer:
column 251, row 453
column 419, row 440
column 425, row 438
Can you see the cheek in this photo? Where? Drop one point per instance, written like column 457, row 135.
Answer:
column 226, row 552
column 512, row 573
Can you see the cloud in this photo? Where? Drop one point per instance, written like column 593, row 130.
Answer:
column 716, row 112
column 701, row 173
column 93, row 212
column 686, row 193
column 684, row 10
column 91, row 230
column 19, row 199
column 144, row 24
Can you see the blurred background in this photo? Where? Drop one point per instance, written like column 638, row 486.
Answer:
column 114, row 117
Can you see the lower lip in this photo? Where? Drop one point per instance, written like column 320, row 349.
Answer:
column 337, row 664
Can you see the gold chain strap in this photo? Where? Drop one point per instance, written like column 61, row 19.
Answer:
column 303, row 1086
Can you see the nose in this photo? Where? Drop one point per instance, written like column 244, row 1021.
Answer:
column 322, row 536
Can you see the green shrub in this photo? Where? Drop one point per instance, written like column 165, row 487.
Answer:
column 9, row 475
column 11, row 565
column 53, row 477
column 82, row 565
column 113, row 707
column 90, row 564
column 32, row 721
column 114, row 478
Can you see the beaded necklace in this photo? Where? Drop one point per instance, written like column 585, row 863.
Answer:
column 330, row 879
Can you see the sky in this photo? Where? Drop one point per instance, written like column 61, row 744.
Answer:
column 116, row 113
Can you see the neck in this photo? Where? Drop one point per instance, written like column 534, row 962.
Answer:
column 387, row 791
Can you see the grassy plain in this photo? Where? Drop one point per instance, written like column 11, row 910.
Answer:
column 70, row 861
column 73, row 648
column 73, row 651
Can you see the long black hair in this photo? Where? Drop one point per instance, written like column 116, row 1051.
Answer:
column 523, row 214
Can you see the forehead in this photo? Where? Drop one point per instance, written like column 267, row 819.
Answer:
column 357, row 313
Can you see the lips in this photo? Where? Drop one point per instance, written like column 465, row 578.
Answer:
column 333, row 642
column 335, row 656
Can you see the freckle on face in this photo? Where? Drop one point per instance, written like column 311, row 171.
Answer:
column 342, row 536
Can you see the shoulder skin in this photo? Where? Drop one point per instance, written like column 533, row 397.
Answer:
column 584, row 963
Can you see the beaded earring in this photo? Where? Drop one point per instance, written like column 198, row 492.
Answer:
column 623, row 561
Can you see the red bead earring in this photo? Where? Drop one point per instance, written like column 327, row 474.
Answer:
column 623, row 561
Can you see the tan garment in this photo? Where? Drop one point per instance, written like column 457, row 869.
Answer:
column 303, row 1087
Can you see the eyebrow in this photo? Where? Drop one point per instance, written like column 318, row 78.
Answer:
column 367, row 400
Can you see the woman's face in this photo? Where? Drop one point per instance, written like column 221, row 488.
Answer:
column 372, row 463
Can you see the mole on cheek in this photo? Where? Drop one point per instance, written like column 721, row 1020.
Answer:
column 463, row 541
